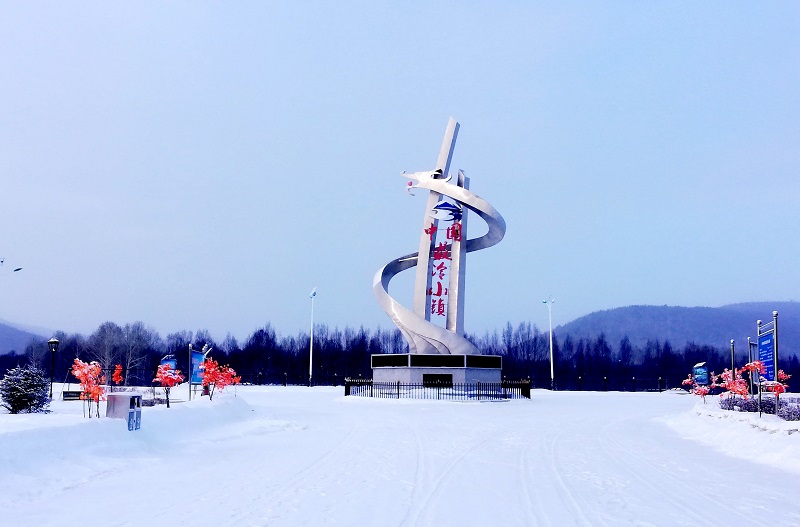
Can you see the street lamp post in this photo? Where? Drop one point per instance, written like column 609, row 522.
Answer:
column 311, row 341
column 549, row 303
column 53, row 345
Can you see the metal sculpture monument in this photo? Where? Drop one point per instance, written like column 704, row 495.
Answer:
column 441, row 269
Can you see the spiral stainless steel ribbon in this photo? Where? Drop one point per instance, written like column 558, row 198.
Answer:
column 422, row 335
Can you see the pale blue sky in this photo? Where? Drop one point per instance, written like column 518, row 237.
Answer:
column 204, row 165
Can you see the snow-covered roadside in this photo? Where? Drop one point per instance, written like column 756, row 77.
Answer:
column 766, row 439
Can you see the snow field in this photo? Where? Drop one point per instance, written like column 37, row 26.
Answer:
column 309, row 456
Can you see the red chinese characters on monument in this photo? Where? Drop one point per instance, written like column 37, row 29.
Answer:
column 431, row 231
column 454, row 232
column 438, row 307
column 441, row 253
column 439, row 270
column 439, row 290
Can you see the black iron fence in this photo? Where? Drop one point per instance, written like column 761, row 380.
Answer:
column 598, row 383
column 477, row 391
column 588, row 383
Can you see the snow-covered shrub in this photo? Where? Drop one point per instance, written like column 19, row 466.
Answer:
column 734, row 403
column 751, row 405
column 767, row 404
column 789, row 412
column 748, row 405
column 24, row 390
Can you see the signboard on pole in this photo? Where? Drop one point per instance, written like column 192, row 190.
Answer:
column 766, row 354
column 171, row 360
column 700, row 374
column 197, row 366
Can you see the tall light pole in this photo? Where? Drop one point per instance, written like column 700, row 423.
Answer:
column 549, row 303
column 311, row 341
column 53, row 345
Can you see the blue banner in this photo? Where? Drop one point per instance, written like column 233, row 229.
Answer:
column 700, row 374
column 766, row 354
column 197, row 373
column 173, row 363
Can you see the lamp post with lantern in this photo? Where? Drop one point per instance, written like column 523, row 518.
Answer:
column 53, row 345
column 311, row 341
column 549, row 303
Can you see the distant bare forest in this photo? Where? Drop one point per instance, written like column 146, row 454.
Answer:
column 590, row 363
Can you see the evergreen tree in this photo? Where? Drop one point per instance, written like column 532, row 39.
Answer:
column 24, row 390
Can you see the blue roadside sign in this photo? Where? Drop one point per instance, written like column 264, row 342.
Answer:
column 700, row 374
column 766, row 354
column 197, row 360
column 173, row 363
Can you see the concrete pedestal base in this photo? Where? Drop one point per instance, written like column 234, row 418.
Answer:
column 433, row 369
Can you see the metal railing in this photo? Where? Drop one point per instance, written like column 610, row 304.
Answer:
column 477, row 391
column 613, row 384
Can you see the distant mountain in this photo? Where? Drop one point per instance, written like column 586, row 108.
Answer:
column 15, row 338
column 714, row 326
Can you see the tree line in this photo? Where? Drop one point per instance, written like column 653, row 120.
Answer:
column 586, row 363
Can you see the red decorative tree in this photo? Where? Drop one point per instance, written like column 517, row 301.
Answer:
column 216, row 376
column 117, row 376
column 778, row 387
column 92, row 380
column 168, row 378
column 696, row 389
column 732, row 382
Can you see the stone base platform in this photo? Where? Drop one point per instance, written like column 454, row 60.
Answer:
column 436, row 369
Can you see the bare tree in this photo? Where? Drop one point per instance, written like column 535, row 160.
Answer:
column 36, row 352
column 178, row 341
column 138, row 341
column 106, row 345
column 202, row 338
column 230, row 344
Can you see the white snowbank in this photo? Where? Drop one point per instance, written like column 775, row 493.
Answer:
column 764, row 439
column 309, row 456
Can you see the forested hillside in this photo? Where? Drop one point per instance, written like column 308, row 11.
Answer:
column 713, row 326
column 14, row 339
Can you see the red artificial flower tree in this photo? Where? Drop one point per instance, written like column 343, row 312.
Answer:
column 117, row 376
column 92, row 380
column 778, row 387
column 168, row 378
column 696, row 389
column 732, row 382
column 216, row 376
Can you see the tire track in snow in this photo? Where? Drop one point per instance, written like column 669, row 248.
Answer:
column 532, row 501
column 576, row 505
column 419, row 512
column 419, row 472
column 286, row 490
column 677, row 500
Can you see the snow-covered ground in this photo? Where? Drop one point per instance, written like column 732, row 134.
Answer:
column 276, row 456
